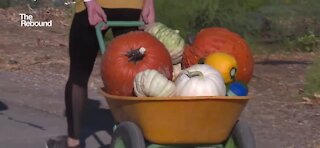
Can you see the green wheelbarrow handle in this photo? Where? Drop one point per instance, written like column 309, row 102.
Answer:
column 113, row 24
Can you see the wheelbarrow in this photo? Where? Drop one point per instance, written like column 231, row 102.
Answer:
column 176, row 122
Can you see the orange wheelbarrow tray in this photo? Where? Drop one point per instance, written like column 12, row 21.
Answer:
column 179, row 120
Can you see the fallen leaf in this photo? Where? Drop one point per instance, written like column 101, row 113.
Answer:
column 316, row 95
column 300, row 91
column 12, row 62
column 307, row 100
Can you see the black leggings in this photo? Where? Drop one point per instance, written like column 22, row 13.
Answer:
column 83, row 49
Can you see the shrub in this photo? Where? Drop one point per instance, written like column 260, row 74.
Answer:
column 312, row 79
column 284, row 22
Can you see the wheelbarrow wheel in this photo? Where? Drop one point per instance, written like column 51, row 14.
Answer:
column 127, row 135
column 242, row 135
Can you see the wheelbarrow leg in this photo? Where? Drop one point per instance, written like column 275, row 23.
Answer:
column 127, row 135
column 241, row 136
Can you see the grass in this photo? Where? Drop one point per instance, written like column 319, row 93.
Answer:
column 312, row 79
column 4, row 3
column 179, row 15
column 283, row 23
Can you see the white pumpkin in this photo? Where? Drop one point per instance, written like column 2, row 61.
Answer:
column 151, row 83
column 200, row 80
column 176, row 70
column 170, row 38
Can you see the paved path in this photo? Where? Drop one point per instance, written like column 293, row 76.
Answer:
column 23, row 126
column 29, row 116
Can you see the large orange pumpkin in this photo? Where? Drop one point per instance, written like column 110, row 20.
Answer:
column 189, row 58
column 129, row 54
column 214, row 39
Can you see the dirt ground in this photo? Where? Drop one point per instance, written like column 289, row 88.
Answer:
column 276, row 113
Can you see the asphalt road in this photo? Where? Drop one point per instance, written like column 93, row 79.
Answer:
column 29, row 116
column 26, row 127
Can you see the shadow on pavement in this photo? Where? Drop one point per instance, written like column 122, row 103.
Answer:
column 3, row 106
column 96, row 119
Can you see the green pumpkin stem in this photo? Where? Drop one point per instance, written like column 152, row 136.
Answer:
column 136, row 54
column 191, row 74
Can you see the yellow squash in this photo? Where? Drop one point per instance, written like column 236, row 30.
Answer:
column 225, row 63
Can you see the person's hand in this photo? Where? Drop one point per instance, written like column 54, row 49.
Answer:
column 95, row 13
column 148, row 14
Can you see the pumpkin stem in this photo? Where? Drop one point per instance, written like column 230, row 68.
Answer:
column 201, row 61
column 136, row 54
column 191, row 74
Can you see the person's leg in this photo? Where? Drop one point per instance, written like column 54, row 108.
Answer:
column 83, row 49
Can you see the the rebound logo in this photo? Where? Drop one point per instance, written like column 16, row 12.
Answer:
column 27, row 21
